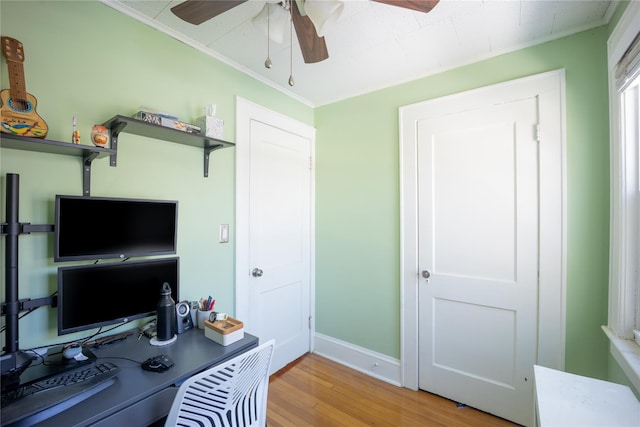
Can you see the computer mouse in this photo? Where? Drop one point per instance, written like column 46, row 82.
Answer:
column 158, row 363
column 71, row 351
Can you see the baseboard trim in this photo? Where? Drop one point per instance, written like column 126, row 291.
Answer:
column 368, row 362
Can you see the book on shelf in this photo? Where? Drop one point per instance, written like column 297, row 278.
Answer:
column 170, row 122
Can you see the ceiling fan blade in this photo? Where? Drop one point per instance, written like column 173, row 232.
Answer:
column 313, row 47
column 419, row 5
column 197, row 11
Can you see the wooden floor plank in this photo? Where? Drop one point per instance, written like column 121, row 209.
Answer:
column 315, row 391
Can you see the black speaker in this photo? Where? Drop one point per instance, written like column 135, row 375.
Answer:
column 183, row 317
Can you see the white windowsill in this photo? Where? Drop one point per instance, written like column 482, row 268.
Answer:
column 627, row 354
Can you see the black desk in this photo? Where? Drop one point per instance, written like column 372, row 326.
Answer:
column 139, row 398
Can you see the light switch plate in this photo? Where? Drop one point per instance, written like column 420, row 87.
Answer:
column 223, row 233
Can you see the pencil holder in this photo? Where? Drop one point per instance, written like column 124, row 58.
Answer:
column 202, row 316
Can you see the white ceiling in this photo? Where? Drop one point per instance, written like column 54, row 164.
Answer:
column 373, row 45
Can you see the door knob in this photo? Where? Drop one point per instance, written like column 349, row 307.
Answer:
column 257, row 272
column 426, row 274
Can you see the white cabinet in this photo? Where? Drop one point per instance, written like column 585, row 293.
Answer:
column 564, row 399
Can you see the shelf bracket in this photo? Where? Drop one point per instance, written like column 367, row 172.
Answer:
column 207, row 152
column 86, row 173
column 116, row 128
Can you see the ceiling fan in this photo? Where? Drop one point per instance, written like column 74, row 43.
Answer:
column 313, row 46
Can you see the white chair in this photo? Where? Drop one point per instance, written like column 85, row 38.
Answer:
column 231, row 394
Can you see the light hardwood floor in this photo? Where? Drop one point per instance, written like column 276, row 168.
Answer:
column 315, row 391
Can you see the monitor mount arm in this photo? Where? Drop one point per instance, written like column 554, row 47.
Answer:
column 13, row 360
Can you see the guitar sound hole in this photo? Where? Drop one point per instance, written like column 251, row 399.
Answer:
column 20, row 105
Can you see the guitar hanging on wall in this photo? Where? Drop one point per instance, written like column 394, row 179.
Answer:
column 18, row 112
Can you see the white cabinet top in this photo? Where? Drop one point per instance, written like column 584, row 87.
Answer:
column 564, row 399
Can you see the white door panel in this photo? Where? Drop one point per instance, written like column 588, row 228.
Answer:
column 473, row 202
column 279, row 226
column 489, row 323
column 478, row 238
column 274, row 180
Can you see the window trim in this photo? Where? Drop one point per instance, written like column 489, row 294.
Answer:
column 623, row 254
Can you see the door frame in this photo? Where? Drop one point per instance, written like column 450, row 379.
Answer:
column 246, row 112
column 549, row 88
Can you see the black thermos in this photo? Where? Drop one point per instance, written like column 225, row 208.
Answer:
column 166, row 314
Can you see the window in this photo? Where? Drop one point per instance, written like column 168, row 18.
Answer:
column 630, row 114
column 628, row 135
column 624, row 278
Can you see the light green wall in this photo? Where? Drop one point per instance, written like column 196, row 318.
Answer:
column 358, row 198
column 85, row 59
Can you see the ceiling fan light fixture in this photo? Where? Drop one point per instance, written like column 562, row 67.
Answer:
column 272, row 22
column 323, row 13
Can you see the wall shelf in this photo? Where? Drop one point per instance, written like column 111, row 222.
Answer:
column 87, row 152
column 133, row 126
column 117, row 124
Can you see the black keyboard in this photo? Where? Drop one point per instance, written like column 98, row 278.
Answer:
column 35, row 402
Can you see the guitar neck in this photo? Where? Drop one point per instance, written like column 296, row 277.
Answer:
column 17, row 85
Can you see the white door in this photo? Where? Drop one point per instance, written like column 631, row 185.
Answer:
column 478, row 246
column 274, row 234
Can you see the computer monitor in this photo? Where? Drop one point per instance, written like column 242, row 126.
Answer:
column 95, row 295
column 107, row 227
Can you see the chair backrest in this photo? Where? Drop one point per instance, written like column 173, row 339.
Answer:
column 231, row 394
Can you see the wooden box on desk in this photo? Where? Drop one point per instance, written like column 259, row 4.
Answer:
column 224, row 332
